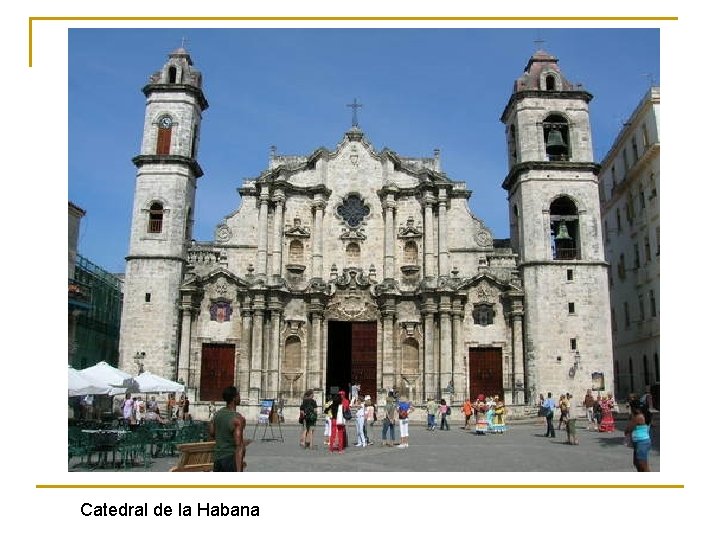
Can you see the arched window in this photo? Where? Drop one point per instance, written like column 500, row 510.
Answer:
column 352, row 253
column 293, row 357
column 410, row 253
column 556, row 135
column 172, row 75
column 550, row 83
column 564, row 229
column 163, row 136
column 155, row 222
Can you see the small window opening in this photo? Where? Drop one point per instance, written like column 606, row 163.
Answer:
column 147, row 296
column 550, row 83
column 155, row 223
column 570, row 275
column 573, row 344
column 571, row 307
column 172, row 75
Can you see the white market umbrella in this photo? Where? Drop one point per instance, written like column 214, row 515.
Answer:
column 150, row 383
column 104, row 374
column 79, row 385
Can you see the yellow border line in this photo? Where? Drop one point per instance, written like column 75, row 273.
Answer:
column 310, row 18
column 360, row 486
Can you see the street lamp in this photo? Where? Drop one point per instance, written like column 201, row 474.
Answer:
column 139, row 358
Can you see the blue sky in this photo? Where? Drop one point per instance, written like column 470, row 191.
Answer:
column 421, row 89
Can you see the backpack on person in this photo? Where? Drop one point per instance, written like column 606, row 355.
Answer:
column 447, row 412
column 310, row 413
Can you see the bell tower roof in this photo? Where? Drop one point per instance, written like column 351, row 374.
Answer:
column 178, row 75
column 540, row 65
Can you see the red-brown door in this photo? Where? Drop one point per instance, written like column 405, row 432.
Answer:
column 364, row 357
column 218, row 370
column 485, row 371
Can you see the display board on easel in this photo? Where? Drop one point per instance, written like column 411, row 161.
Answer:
column 268, row 416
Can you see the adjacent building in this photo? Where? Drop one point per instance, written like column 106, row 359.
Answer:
column 630, row 195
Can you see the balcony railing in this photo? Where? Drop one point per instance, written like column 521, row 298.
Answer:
column 564, row 254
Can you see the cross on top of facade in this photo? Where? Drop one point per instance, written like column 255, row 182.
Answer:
column 539, row 42
column 355, row 106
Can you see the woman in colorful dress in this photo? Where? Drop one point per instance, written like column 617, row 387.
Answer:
column 607, row 422
column 499, row 419
column 481, row 424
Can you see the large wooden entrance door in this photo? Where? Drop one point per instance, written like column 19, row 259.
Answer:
column 485, row 371
column 217, row 371
column 352, row 356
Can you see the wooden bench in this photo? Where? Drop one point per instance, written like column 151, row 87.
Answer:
column 195, row 457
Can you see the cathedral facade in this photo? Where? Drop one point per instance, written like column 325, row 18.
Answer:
column 353, row 265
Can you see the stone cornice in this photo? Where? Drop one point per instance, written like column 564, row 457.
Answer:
column 544, row 94
column 196, row 92
column 172, row 159
column 565, row 166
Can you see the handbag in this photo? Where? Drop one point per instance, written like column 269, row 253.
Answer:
column 347, row 415
column 301, row 420
column 447, row 412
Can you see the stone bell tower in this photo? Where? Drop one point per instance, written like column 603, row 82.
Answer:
column 162, row 219
column 554, row 206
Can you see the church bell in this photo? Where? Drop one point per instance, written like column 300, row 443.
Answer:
column 562, row 233
column 555, row 143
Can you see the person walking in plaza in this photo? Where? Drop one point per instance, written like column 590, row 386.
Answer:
column 467, row 409
column 638, row 432
column 542, row 413
column 338, row 433
column 370, row 418
column 404, row 409
column 549, row 406
column 432, row 409
column 185, row 410
column 444, row 410
column 128, row 411
column 309, row 410
column 389, row 420
column 571, row 421
column 360, row 425
column 563, row 410
column 589, row 405
column 328, row 421
column 227, row 430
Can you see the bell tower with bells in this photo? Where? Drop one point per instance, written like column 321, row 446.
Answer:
column 162, row 219
column 555, row 228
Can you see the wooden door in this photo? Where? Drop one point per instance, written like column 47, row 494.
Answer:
column 364, row 357
column 485, row 371
column 217, row 371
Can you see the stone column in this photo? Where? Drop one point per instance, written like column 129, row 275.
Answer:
column 279, row 216
column 261, row 264
column 273, row 372
column 389, row 206
column 318, row 207
column 388, row 374
column 459, row 374
column 243, row 372
column 517, row 362
column 256, row 362
column 184, row 358
column 446, row 344
column 315, row 364
column 428, row 240
column 430, row 385
column 443, row 260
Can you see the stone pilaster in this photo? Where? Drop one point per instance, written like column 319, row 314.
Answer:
column 430, row 384
column 318, row 207
column 273, row 370
column 256, row 362
column 446, row 344
column 388, row 369
column 243, row 367
column 279, row 217
column 443, row 258
column 459, row 373
column 429, row 240
column 389, row 206
column 262, row 253
column 184, row 357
